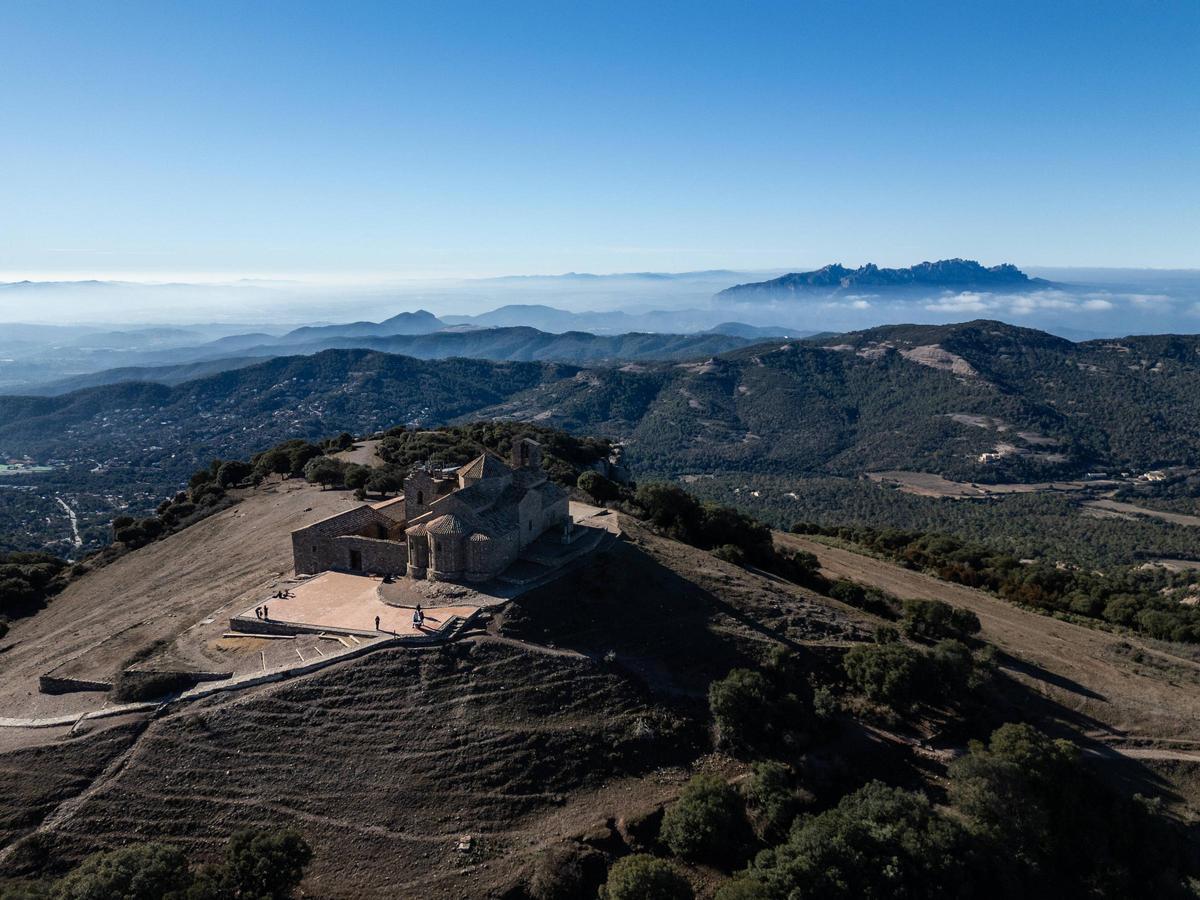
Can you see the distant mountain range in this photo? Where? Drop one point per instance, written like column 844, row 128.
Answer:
column 981, row 401
column 956, row 274
column 57, row 361
column 500, row 344
column 835, row 298
column 978, row 401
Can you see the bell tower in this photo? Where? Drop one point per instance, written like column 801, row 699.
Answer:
column 526, row 454
column 419, row 492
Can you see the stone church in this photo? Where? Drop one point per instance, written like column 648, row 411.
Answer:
column 468, row 524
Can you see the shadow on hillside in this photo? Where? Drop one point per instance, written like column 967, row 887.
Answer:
column 1031, row 670
column 1017, row 702
column 655, row 623
column 675, row 638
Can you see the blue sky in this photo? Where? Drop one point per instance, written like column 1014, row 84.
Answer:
column 359, row 140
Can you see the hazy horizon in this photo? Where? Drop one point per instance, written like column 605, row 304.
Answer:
column 381, row 142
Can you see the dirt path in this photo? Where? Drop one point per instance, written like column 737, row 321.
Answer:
column 76, row 539
column 1132, row 509
column 1083, row 669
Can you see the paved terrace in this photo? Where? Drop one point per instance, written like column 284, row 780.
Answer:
column 349, row 604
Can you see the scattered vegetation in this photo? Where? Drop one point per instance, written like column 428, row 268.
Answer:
column 565, row 457
column 899, row 676
column 732, row 535
column 1025, row 819
column 258, row 865
column 1146, row 600
column 27, row 579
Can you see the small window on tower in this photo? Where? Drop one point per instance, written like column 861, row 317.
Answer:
column 420, row 498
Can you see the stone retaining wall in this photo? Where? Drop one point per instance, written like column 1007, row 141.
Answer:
column 54, row 684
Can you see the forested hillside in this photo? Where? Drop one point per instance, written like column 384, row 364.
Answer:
column 981, row 402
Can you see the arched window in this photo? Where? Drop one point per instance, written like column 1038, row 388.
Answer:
column 420, row 498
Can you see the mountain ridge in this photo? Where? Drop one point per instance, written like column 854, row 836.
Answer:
column 945, row 273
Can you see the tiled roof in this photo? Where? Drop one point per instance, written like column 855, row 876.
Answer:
column 486, row 465
column 478, row 538
column 447, row 524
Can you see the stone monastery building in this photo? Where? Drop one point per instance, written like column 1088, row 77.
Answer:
column 466, row 525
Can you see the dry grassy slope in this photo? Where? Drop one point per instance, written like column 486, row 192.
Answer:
column 156, row 592
column 63, row 769
column 385, row 761
column 1123, row 694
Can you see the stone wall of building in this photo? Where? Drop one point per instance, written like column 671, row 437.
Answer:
column 313, row 548
column 370, row 556
column 490, row 558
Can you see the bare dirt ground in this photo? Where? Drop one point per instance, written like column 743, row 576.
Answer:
column 222, row 564
column 1131, row 509
column 386, row 763
column 363, row 454
column 1130, row 690
column 926, row 484
column 1173, row 565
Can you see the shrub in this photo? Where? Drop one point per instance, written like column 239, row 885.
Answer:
column 356, row 477
column 868, row 600
column 934, row 620
column 736, row 703
column 771, row 800
column 878, row 842
column 887, row 634
column 266, row 865
column 704, row 823
column 730, row 554
column 324, row 471
column 951, row 667
column 762, row 710
column 207, row 495
column 596, row 486
column 233, row 472
column 178, row 511
column 886, row 673
column 200, row 478
column 642, row 877
column 137, row 872
column 132, row 535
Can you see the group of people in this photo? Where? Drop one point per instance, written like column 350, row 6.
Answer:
column 418, row 619
column 262, row 612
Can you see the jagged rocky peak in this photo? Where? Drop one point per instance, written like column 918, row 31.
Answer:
column 957, row 273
